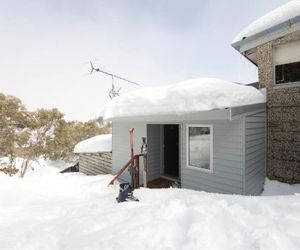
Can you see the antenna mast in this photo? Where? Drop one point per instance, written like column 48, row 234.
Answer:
column 113, row 92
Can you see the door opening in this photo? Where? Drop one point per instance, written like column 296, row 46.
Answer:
column 171, row 150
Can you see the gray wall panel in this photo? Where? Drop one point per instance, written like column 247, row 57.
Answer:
column 95, row 163
column 228, row 159
column 255, row 153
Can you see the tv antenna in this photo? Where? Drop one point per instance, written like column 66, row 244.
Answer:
column 113, row 92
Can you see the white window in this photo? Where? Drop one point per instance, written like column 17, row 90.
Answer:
column 287, row 63
column 199, row 147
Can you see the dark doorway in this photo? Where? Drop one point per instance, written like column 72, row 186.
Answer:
column 171, row 150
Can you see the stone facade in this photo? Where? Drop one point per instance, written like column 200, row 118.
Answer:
column 283, row 117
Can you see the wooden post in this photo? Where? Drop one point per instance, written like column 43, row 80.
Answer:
column 128, row 164
column 145, row 170
column 137, row 171
column 132, row 174
column 136, row 176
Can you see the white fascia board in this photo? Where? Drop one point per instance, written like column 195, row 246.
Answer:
column 237, row 112
column 217, row 114
column 268, row 35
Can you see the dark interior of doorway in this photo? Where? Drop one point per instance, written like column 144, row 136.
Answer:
column 171, row 150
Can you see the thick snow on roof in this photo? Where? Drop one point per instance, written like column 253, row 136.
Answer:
column 273, row 18
column 99, row 143
column 184, row 97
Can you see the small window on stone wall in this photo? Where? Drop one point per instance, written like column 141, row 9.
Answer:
column 287, row 63
column 287, row 73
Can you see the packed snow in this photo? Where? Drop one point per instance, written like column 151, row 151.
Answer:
column 273, row 18
column 99, row 143
column 48, row 210
column 184, row 97
column 279, row 188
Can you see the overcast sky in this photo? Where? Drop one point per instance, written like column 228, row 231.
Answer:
column 45, row 47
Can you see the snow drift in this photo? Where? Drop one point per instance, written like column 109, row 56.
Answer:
column 99, row 143
column 273, row 18
column 184, row 97
column 48, row 210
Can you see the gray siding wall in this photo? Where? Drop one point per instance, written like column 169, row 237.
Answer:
column 255, row 153
column 154, row 150
column 238, row 154
column 95, row 163
column 121, row 145
column 228, row 159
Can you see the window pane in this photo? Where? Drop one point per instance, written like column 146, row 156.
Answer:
column 199, row 147
column 287, row 73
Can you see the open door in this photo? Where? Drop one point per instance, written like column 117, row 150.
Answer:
column 171, row 150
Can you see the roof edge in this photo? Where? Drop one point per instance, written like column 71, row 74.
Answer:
column 236, row 112
column 287, row 26
column 218, row 114
column 229, row 113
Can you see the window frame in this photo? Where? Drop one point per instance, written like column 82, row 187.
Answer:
column 210, row 126
column 280, row 85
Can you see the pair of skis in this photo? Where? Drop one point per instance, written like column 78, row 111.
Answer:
column 126, row 189
column 144, row 153
column 132, row 168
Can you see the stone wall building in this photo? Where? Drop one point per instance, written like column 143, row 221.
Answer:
column 273, row 44
column 283, row 114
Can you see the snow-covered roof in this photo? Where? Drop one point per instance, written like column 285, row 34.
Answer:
column 99, row 143
column 190, row 96
column 284, row 19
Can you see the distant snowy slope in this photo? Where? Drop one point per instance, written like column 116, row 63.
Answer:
column 273, row 18
column 189, row 96
column 99, row 143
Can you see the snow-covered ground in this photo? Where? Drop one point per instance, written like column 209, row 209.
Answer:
column 48, row 210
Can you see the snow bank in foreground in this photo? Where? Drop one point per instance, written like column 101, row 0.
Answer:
column 273, row 18
column 99, row 143
column 48, row 210
column 183, row 97
column 39, row 167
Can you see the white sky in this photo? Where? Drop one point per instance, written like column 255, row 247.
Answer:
column 46, row 46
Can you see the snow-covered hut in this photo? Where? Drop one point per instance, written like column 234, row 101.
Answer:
column 95, row 155
column 209, row 134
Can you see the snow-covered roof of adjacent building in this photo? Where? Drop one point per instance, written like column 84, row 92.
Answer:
column 99, row 143
column 190, row 96
column 279, row 22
